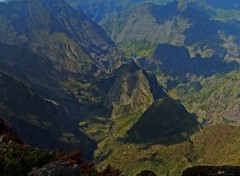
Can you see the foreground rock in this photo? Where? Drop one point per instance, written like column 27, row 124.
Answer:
column 56, row 169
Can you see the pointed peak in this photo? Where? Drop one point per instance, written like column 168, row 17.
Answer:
column 130, row 67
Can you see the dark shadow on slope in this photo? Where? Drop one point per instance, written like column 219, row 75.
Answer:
column 166, row 122
column 176, row 61
column 38, row 122
column 212, row 170
column 156, row 89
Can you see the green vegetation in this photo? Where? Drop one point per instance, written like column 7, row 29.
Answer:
column 158, row 158
column 226, row 15
column 96, row 128
column 214, row 99
column 138, row 49
column 214, row 145
column 23, row 108
column 136, row 36
column 191, row 27
column 135, row 124
column 223, row 10
column 16, row 160
column 46, row 45
column 130, row 94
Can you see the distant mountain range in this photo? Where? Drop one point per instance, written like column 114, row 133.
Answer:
column 188, row 27
column 165, row 56
column 98, row 10
column 222, row 10
column 184, row 41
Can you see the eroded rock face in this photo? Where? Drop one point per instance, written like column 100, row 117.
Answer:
column 56, row 169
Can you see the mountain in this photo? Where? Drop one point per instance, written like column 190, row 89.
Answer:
column 53, row 29
column 165, row 122
column 224, row 10
column 64, row 83
column 172, row 24
column 214, row 100
column 220, row 10
column 39, row 122
column 98, row 10
column 165, row 56
column 47, row 46
column 155, row 119
column 31, row 68
column 224, row 4
column 213, row 145
column 132, row 92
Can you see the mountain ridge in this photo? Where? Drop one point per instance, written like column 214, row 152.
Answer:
column 55, row 26
column 190, row 27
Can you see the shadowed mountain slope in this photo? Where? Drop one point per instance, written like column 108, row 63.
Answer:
column 38, row 122
column 165, row 122
column 176, row 61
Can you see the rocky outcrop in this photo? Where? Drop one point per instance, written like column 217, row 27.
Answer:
column 7, row 134
column 56, row 169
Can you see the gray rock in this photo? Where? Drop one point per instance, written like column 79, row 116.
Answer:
column 56, row 169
